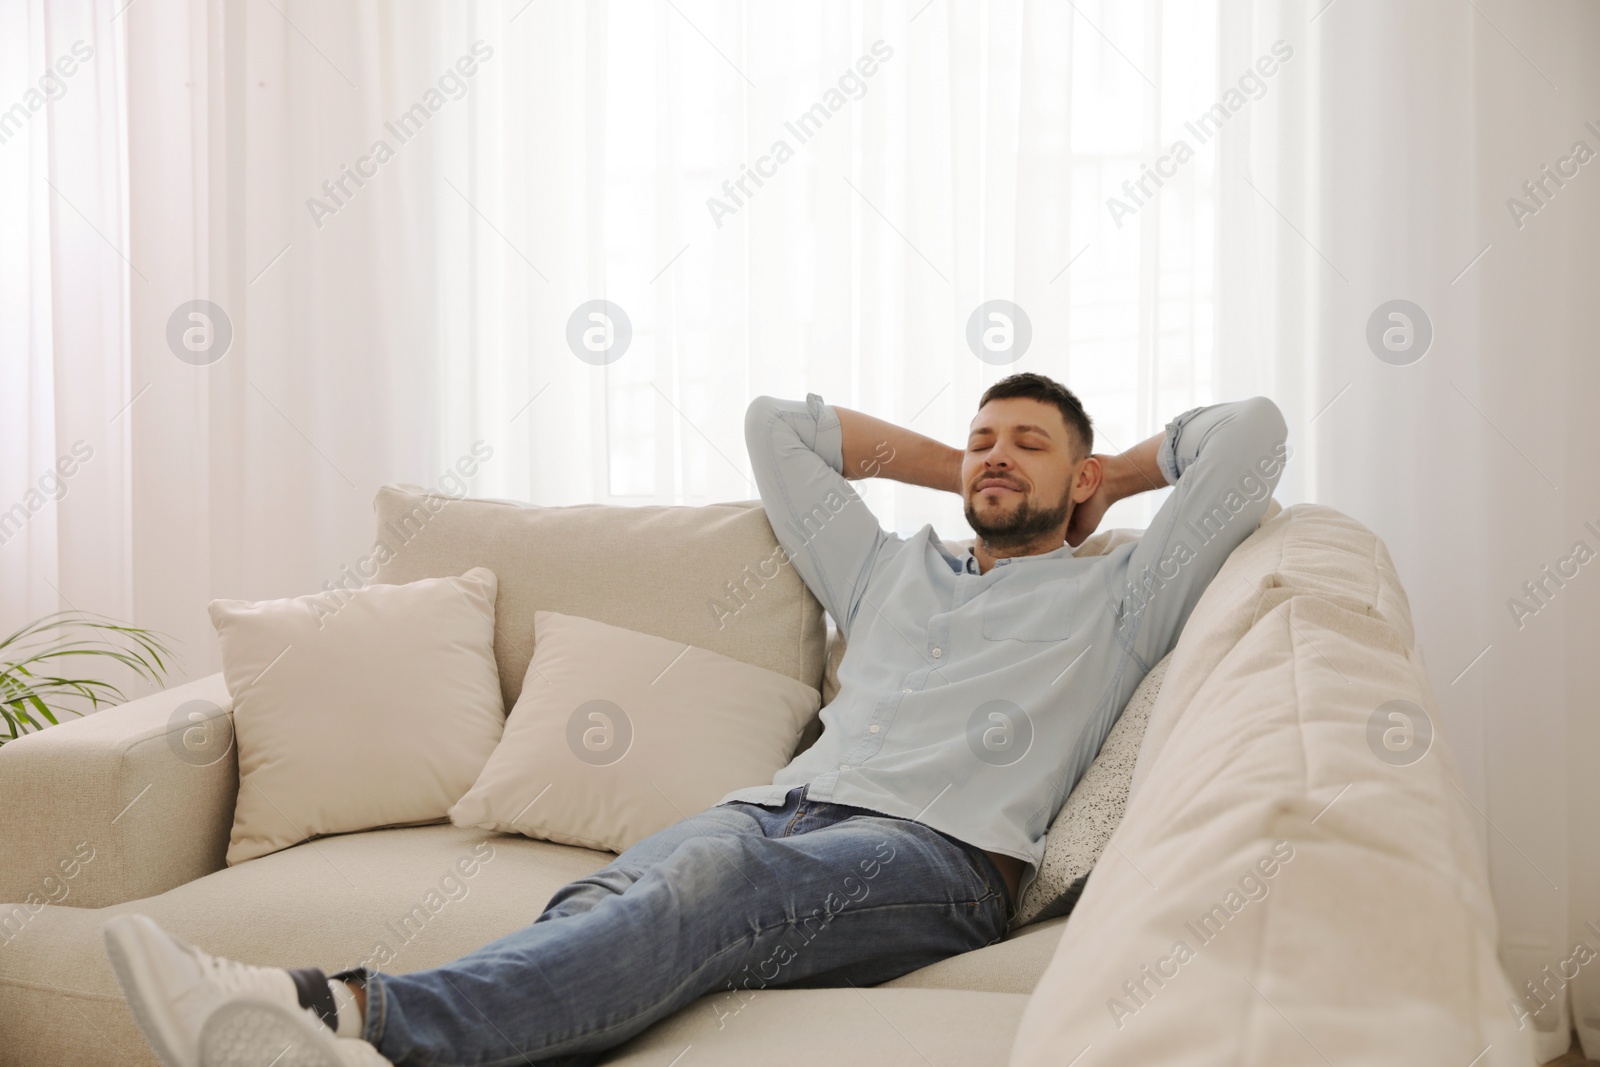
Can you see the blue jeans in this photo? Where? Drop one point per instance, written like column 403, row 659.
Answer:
column 737, row 898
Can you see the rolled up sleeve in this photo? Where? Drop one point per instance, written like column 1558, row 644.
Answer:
column 826, row 530
column 1224, row 461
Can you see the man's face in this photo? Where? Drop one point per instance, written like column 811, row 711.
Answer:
column 1018, row 472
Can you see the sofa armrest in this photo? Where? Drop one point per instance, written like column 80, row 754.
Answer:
column 121, row 804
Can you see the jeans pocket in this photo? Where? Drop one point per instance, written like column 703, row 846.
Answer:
column 988, row 882
column 997, row 881
column 998, row 898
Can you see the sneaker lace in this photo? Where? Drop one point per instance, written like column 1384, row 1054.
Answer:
column 232, row 975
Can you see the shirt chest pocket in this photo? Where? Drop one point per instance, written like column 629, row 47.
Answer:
column 1050, row 610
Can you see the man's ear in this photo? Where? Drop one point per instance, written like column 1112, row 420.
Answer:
column 1087, row 482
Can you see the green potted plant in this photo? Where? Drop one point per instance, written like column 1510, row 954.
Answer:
column 33, row 665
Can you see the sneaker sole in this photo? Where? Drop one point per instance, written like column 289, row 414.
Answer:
column 128, row 965
column 259, row 1033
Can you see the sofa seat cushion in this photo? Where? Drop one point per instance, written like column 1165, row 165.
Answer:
column 403, row 899
column 400, row 899
column 807, row 1027
column 1011, row 966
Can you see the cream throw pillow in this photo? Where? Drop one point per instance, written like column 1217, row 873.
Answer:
column 618, row 734
column 356, row 710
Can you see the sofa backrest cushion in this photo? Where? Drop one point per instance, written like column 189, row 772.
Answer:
column 1305, row 550
column 1289, row 886
column 710, row 576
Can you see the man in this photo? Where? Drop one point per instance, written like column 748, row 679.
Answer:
column 976, row 689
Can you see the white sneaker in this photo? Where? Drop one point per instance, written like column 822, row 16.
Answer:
column 172, row 987
column 261, row 1033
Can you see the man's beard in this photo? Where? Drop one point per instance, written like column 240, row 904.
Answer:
column 1022, row 527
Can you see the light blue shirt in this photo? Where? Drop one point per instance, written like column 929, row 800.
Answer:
column 974, row 702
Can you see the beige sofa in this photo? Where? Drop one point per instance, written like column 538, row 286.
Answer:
column 1373, row 942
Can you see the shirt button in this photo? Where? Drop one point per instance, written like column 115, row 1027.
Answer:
column 937, row 652
column 873, row 728
column 844, row 766
column 905, row 690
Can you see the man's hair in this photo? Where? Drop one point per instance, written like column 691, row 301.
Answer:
column 1038, row 387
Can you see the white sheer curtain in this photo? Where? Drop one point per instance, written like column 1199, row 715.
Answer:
column 1382, row 167
column 972, row 163
column 65, row 492
column 397, row 212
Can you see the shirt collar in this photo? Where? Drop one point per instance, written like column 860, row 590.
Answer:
column 969, row 562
